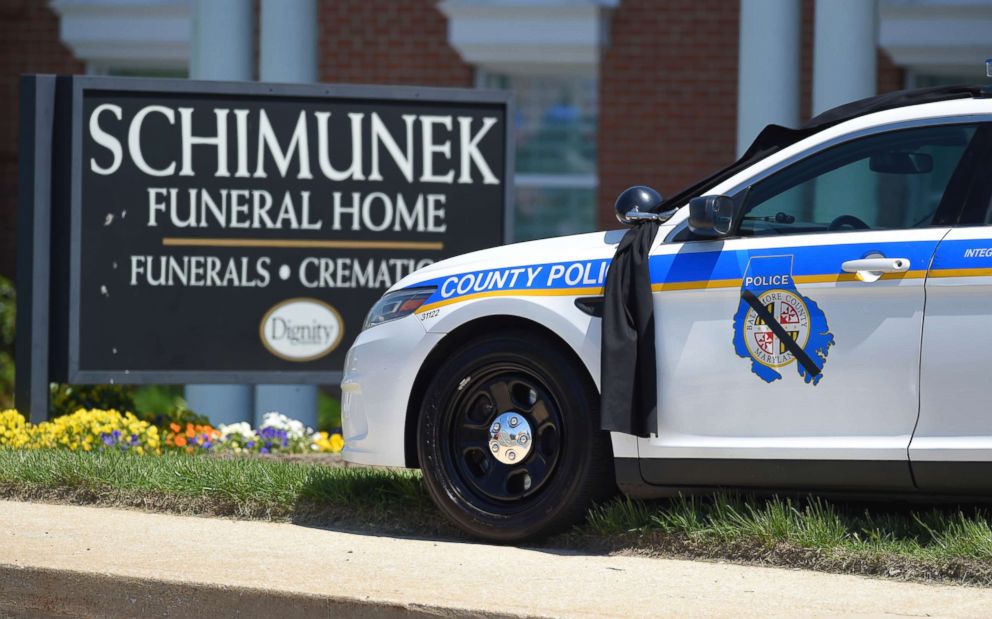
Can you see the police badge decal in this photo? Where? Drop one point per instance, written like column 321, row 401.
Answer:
column 775, row 325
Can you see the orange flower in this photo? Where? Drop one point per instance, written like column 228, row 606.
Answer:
column 174, row 427
column 180, row 441
column 190, row 432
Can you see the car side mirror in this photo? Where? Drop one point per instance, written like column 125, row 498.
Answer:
column 637, row 203
column 712, row 216
column 901, row 163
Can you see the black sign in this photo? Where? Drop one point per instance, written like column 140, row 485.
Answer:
column 211, row 232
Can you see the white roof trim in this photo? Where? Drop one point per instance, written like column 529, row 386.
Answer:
column 502, row 34
column 937, row 34
column 127, row 33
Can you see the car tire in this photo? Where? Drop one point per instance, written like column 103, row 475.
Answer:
column 518, row 488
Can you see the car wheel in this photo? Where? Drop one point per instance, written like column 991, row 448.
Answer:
column 509, row 439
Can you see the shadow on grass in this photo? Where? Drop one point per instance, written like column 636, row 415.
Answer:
column 370, row 501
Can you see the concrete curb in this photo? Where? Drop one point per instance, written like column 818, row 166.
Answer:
column 34, row 592
column 59, row 560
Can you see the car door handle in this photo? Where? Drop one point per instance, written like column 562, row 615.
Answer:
column 871, row 269
column 876, row 265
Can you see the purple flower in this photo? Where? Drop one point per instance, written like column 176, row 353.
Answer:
column 272, row 433
column 264, row 450
column 250, row 444
column 273, row 437
column 108, row 439
column 134, row 439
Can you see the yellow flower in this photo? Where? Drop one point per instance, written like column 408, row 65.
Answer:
column 328, row 444
column 13, row 429
column 83, row 429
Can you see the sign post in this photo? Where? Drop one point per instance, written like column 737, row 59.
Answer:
column 37, row 117
column 207, row 232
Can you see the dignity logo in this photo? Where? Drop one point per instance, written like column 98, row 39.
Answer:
column 301, row 329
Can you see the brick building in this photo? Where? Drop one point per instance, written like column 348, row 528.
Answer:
column 29, row 43
column 609, row 93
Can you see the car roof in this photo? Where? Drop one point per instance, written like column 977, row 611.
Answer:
column 888, row 101
column 903, row 104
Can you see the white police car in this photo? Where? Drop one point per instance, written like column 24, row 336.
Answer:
column 822, row 321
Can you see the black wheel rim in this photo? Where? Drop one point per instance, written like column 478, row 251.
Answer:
column 479, row 399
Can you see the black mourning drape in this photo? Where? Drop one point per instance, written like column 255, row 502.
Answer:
column 629, row 381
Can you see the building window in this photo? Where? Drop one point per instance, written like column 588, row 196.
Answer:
column 922, row 79
column 554, row 130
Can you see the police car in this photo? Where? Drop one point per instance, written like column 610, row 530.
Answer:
column 820, row 318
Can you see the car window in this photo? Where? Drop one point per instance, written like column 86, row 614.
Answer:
column 889, row 181
column 978, row 192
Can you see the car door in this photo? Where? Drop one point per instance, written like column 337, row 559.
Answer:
column 832, row 253
column 951, row 450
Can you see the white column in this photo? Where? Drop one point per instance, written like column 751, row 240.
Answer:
column 768, row 73
column 288, row 41
column 845, row 42
column 222, row 45
column 288, row 53
column 845, row 52
column 222, row 49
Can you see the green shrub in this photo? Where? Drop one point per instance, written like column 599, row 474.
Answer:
column 328, row 412
column 178, row 413
column 158, row 399
column 8, row 312
column 67, row 399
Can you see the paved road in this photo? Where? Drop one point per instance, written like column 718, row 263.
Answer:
column 289, row 560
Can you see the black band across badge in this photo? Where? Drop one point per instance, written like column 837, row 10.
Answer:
column 775, row 326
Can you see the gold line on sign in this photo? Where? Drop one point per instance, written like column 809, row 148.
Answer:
column 303, row 244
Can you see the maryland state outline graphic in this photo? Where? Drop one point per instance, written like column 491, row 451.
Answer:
column 771, row 307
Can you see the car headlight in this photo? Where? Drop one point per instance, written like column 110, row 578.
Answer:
column 397, row 304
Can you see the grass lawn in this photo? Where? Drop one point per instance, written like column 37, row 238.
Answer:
column 920, row 543
column 243, row 487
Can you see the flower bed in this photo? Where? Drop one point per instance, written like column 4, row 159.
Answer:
column 86, row 430
column 100, row 430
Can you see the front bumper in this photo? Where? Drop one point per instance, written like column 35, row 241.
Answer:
column 379, row 373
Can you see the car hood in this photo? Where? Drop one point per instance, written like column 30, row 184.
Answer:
column 595, row 245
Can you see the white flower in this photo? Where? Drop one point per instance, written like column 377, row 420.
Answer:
column 242, row 428
column 294, row 429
